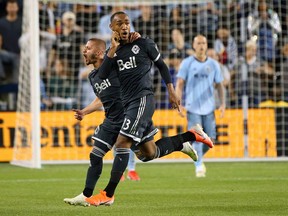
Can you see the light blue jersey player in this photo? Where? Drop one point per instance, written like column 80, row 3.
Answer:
column 198, row 75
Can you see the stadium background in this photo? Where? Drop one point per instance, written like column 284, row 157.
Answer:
column 255, row 123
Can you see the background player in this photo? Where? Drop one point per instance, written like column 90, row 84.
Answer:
column 199, row 74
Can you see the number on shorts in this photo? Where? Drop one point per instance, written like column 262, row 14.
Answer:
column 126, row 123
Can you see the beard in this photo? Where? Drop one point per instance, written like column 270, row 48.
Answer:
column 91, row 60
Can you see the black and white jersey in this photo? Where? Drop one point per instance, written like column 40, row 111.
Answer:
column 133, row 63
column 108, row 91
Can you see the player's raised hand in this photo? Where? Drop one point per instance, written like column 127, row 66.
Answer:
column 134, row 36
column 79, row 115
column 115, row 39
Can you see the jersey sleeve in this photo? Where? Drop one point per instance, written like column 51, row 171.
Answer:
column 106, row 67
column 183, row 70
column 152, row 50
column 155, row 56
column 218, row 74
column 91, row 82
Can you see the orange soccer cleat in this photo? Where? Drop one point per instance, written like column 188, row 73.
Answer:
column 100, row 199
column 201, row 136
column 132, row 175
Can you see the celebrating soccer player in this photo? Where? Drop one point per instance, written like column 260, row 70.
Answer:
column 132, row 63
column 108, row 95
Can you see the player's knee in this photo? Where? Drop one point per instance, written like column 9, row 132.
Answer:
column 95, row 160
column 144, row 159
column 123, row 142
column 149, row 156
column 140, row 156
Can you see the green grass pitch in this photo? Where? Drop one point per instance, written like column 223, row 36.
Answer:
column 166, row 189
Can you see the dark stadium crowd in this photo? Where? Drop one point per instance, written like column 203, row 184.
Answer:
column 248, row 38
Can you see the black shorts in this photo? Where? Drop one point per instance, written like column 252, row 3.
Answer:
column 107, row 132
column 138, row 123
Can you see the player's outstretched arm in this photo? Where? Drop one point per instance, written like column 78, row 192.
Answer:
column 173, row 98
column 179, row 90
column 164, row 71
column 96, row 104
column 222, row 107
